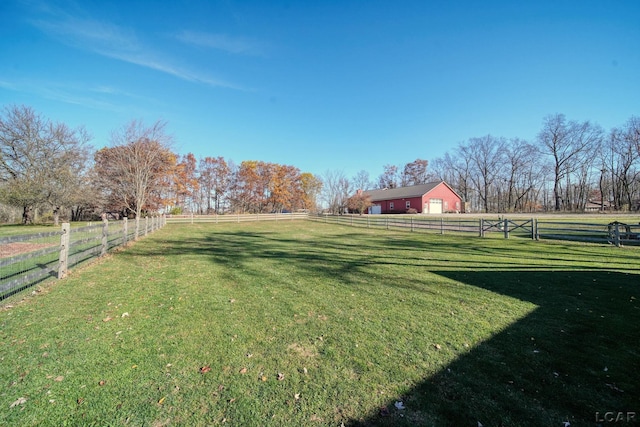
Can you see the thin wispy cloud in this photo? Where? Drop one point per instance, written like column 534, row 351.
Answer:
column 98, row 97
column 113, row 41
column 235, row 45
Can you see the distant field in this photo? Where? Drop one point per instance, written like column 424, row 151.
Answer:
column 302, row 323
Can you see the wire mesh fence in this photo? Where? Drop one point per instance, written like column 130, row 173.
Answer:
column 616, row 233
column 28, row 259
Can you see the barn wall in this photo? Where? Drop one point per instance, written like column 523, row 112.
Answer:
column 449, row 198
column 399, row 205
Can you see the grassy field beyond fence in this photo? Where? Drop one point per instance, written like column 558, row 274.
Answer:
column 303, row 323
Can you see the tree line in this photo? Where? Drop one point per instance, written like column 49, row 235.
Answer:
column 50, row 167
column 47, row 166
column 571, row 166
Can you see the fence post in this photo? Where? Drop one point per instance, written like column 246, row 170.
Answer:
column 481, row 227
column 64, row 250
column 533, row 228
column 506, row 228
column 146, row 225
column 105, row 237
column 411, row 223
column 125, row 230
column 441, row 225
column 617, row 235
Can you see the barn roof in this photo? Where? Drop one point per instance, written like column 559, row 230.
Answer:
column 402, row 192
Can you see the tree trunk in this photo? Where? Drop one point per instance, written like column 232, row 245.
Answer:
column 56, row 216
column 27, row 215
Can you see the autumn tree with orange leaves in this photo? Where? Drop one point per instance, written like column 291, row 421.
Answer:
column 214, row 180
column 262, row 187
column 186, row 184
column 135, row 173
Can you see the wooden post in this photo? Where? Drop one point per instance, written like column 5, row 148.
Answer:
column 441, row 225
column 617, row 235
column 65, row 240
column 125, row 230
column 533, row 228
column 146, row 225
column 105, row 237
column 506, row 228
column 481, row 227
column 411, row 223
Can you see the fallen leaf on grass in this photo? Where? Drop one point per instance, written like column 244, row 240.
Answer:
column 614, row 388
column 125, row 315
column 243, row 371
column 280, row 376
column 102, row 382
column 107, row 319
column 59, row 378
column 205, row 369
column 80, row 400
column 161, row 401
column 399, row 405
column 20, row 401
column 437, row 346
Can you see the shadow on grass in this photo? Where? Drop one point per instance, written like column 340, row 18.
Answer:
column 574, row 358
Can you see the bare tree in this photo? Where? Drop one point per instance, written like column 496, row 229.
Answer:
column 336, row 189
column 570, row 144
column 41, row 162
column 487, row 156
column 137, row 169
column 621, row 158
column 456, row 170
column 415, row 173
column 361, row 181
column 388, row 178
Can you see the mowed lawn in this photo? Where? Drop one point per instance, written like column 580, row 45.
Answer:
column 303, row 323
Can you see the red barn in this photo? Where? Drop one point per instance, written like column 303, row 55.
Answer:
column 432, row 198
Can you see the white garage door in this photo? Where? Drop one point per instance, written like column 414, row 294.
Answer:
column 435, row 206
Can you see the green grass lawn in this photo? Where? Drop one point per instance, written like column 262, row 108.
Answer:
column 304, row 323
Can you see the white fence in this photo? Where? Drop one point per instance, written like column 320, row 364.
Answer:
column 26, row 260
column 191, row 219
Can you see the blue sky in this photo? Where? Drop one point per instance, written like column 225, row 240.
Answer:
column 326, row 85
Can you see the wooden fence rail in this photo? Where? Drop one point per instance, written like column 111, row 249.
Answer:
column 192, row 219
column 36, row 257
column 615, row 233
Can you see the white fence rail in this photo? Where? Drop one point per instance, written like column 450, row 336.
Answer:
column 191, row 219
column 26, row 260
